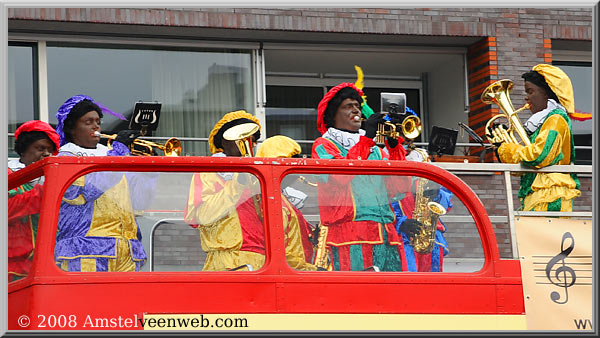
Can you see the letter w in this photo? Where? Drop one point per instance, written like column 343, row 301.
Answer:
column 183, row 322
column 582, row 324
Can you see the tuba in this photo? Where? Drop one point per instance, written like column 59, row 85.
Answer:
column 146, row 148
column 498, row 93
column 242, row 135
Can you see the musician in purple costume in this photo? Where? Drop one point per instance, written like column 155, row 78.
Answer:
column 97, row 230
column 405, row 227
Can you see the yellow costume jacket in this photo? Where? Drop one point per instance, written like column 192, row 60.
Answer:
column 552, row 143
column 229, row 217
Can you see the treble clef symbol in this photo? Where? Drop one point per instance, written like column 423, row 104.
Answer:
column 561, row 281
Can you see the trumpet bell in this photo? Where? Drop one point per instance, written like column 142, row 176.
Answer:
column 172, row 147
column 145, row 148
column 411, row 127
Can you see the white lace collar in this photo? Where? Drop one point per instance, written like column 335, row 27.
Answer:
column 16, row 165
column 225, row 176
column 536, row 120
column 345, row 138
column 100, row 150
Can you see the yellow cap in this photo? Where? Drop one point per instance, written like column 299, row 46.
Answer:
column 560, row 84
column 234, row 115
column 278, row 146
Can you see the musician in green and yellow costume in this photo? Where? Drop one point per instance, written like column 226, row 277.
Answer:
column 550, row 95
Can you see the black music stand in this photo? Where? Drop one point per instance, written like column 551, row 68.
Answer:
column 442, row 141
column 477, row 139
column 145, row 117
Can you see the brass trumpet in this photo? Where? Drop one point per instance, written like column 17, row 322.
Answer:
column 171, row 148
column 410, row 127
column 498, row 93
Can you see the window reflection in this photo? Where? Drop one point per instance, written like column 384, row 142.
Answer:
column 161, row 222
column 227, row 210
column 363, row 216
column 194, row 86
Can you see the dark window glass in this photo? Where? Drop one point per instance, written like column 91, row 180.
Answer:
column 22, row 96
column 292, row 111
column 581, row 76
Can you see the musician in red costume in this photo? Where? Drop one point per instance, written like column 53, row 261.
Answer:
column 34, row 140
column 356, row 208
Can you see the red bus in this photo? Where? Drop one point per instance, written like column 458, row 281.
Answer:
column 477, row 290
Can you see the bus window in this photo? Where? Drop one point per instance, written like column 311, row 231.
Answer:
column 149, row 221
column 24, row 204
column 379, row 223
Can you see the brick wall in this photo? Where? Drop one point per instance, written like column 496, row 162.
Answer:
column 482, row 69
column 510, row 25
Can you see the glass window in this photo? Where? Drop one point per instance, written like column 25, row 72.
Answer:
column 196, row 87
column 142, row 221
column 22, row 96
column 292, row 110
column 367, row 222
column 138, row 221
column 581, row 76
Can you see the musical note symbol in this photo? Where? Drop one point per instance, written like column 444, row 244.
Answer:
column 564, row 270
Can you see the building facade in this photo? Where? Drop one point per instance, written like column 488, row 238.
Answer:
column 201, row 63
column 276, row 63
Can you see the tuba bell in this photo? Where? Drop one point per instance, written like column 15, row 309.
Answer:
column 242, row 135
column 498, row 93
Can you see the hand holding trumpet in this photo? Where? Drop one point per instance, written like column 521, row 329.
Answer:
column 127, row 137
column 144, row 148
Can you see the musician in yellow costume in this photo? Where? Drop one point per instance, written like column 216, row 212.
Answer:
column 227, row 208
column 550, row 95
column 297, row 243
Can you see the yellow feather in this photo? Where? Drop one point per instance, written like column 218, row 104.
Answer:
column 359, row 77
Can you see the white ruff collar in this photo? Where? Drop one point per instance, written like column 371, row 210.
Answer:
column 225, row 176
column 536, row 120
column 16, row 165
column 346, row 139
column 100, row 150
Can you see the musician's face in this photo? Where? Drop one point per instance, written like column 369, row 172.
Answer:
column 83, row 131
column 37, row 151
column 344, row 117
column 536, row 97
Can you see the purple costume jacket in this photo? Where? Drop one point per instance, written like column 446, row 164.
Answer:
column 96, row 213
